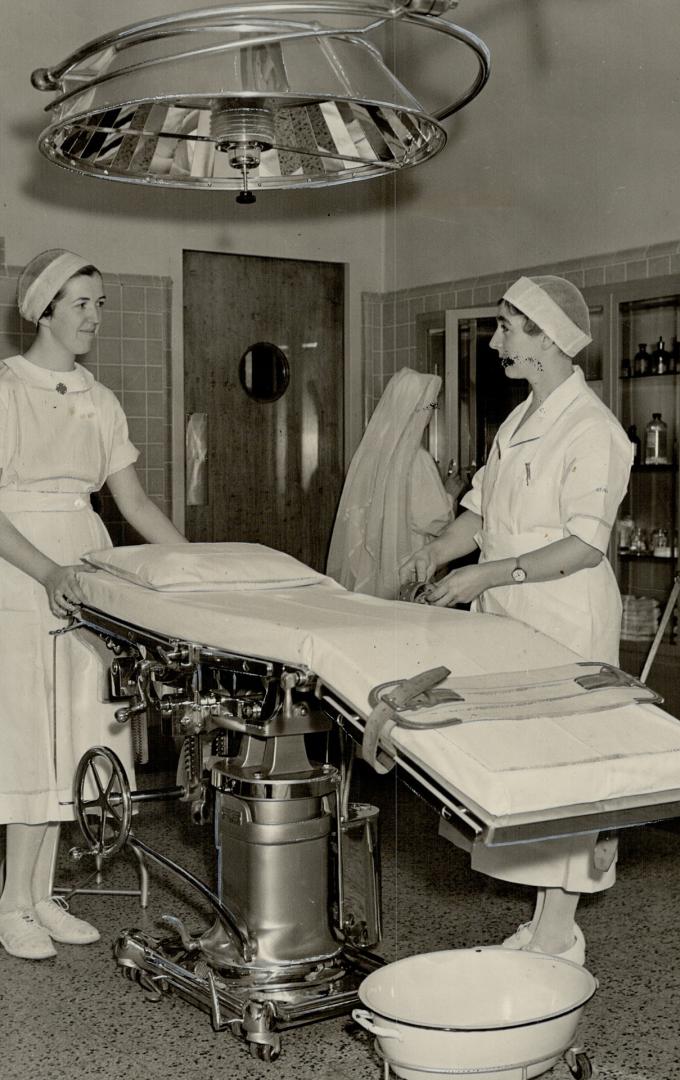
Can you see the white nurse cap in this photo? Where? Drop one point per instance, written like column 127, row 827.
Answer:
column 42, row 278
column 557, row 307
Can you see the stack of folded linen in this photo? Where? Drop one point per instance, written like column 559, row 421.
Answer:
column 640, row 619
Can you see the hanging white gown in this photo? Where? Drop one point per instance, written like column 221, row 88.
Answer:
column 562, row 473
column 393, row 501
column 61, row 436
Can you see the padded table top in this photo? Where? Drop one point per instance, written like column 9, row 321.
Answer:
column 505, row 770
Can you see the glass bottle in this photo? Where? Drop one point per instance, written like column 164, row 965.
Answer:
column 625, row 530
column 656, row 440
column 638, row 541
column 660, row 361
column 660, row 544
column 635, row 439
column 641, row 360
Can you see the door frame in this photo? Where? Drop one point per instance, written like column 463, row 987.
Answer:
column 450, row 427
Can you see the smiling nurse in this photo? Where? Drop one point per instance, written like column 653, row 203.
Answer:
column 62, row 436
column 541, row 512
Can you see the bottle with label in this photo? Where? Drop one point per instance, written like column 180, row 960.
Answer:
column 641, row 360
column 660, row 361
column 656, row 441
column 635, row 439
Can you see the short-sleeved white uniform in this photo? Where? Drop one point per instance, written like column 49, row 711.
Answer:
column 61, row 435
column 563, row 473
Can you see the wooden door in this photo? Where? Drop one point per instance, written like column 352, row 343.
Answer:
column 273, row 464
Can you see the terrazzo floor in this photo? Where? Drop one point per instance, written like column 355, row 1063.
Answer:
column 76, row 1018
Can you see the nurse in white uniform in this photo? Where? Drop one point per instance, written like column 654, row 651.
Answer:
column 62, row 436
column 541, row 511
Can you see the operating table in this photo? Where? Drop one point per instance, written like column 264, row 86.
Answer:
column 503, row 731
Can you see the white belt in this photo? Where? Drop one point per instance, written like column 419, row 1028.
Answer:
column 40, row 501
column 496, row 545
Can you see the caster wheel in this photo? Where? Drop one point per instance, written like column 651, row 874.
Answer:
column 579, row 1064
column 264, row 1051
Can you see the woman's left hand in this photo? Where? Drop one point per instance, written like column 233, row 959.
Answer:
column 459, row 587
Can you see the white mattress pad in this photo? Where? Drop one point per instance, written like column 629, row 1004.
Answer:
column 505, row 770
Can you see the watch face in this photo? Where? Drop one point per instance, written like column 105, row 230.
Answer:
column 518, row 574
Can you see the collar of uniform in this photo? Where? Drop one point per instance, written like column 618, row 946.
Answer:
column 553, row 406
column 62, row 382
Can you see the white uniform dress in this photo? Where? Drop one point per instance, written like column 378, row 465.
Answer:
column 563, row 473
column 61, row 435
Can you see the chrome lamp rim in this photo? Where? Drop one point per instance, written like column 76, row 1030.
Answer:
column 391, row 129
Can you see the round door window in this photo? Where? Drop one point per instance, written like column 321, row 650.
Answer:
column 264, row 372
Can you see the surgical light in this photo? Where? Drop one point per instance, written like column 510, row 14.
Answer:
column 249, row 96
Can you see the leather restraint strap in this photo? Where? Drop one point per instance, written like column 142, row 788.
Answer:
column 384, row 716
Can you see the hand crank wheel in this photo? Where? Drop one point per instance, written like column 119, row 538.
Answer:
column 103, row 804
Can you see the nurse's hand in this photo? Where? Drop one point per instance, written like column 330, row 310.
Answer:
column 460, row 586
column 63, row 590
column 418, row 567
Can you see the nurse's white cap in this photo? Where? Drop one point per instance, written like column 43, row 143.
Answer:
column 557, row 306
column 42, row 278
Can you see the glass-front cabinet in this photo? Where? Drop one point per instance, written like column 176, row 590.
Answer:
column 645, row 395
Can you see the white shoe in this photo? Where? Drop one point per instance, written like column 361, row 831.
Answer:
column 54, row 916
column 21, row 935
column 576, row 952
column 521, row 937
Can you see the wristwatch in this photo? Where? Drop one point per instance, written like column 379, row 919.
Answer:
column 519, row 574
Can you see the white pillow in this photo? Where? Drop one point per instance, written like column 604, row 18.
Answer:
column 199, row 567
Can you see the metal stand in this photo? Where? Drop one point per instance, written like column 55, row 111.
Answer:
column 98, row 889
column 668, row 611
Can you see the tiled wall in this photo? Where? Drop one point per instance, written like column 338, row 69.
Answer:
column 132, row 357
column 390, row 318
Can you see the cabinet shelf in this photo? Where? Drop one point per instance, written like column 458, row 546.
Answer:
column 668, row 468
column 649, row 375
column 632, row 556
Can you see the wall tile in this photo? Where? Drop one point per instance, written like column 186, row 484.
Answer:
column 134, row 350
column 659, row 265
column 109, row 351
column 110, row 324
column 614, row 273
column 595, row 276
column 154, row 300
column 133, row 298
column 635, row 269
column 111, row 375
column 134, row 324
column 134, row 378
column 155, row 354
column 154, row 377
column 153, row 327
